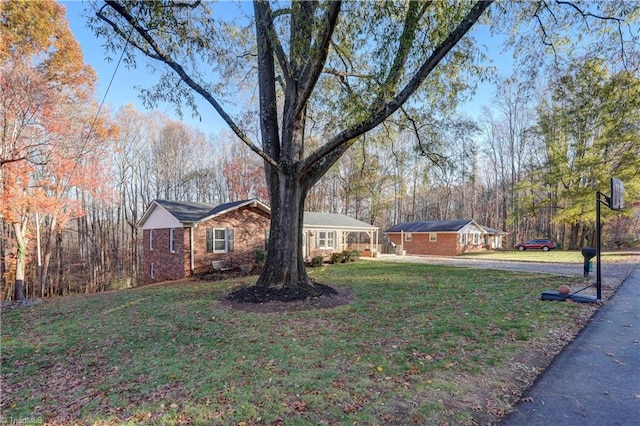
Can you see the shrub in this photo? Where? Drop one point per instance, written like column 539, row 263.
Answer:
column 316, row 261
column 337, row 258
column 350, row 255
column 261, row 255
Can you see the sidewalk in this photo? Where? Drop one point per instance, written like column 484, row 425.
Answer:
column 596, row 379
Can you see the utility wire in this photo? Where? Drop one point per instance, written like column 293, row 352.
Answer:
column 104, row 97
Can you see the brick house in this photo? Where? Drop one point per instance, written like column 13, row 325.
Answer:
column 181, row 239
column 444, row 238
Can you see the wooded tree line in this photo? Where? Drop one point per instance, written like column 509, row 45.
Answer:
column 75, row 180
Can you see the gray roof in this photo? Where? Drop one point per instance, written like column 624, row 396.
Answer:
column 431, row 226
column 188, row 212
column 193, row 212
column 332, row 220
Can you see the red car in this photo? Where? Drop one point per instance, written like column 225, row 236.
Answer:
column 545, row 245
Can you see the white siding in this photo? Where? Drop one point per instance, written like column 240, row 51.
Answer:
column 160, row 218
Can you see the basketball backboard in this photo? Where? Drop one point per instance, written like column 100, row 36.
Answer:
column 617, row 194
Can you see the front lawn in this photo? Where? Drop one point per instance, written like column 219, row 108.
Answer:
column 419, row 344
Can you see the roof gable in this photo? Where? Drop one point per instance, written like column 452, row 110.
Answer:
column 157, row 217
column 188, row 212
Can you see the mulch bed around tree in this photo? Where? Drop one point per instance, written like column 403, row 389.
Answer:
column 278, row 299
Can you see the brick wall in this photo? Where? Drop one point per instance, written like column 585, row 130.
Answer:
column 166, row 265
column 249, row 228
column 446, row 244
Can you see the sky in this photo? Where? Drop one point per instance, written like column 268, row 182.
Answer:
column 118, row 85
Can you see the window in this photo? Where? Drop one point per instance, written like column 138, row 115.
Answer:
column 172, row 240
column 433, row 237
column 326, row 239
column 463, row 239
column 408, row 237
column 219, row 240
column 476, row 238
column 152, row 270
column 151, row 239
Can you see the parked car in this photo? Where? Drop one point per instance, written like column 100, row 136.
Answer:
column 543, row 244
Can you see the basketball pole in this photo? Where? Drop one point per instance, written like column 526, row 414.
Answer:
column 598, row 244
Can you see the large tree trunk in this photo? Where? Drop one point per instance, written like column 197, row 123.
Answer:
column 21, row 254
column 284, row 266
column 284, row 276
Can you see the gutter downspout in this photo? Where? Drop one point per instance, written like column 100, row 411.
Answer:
column 191, row 251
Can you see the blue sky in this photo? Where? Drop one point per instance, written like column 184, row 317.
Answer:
column 123, row 87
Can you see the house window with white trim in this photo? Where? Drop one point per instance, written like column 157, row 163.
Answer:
column 150, row 239
column 152, row 270
column 463, row 239
column 172, row 240
column 433, row 237
column 408, row 237
column 326, row 240
column 476, row 238
column 219, row 240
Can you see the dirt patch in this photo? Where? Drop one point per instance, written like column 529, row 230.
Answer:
column 273, row 299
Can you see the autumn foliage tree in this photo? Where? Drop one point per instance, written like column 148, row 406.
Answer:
column 48, row 142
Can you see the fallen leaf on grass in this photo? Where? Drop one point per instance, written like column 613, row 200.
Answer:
column 299, row 406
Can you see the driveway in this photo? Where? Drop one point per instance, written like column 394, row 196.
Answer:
column 612, row 273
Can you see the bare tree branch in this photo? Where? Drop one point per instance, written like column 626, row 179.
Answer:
column 312, row 70
column 158, row 53
column 330, row 152
column 275, row 41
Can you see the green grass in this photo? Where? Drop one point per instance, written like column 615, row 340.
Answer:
column 551, row 256
column 419, row 344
